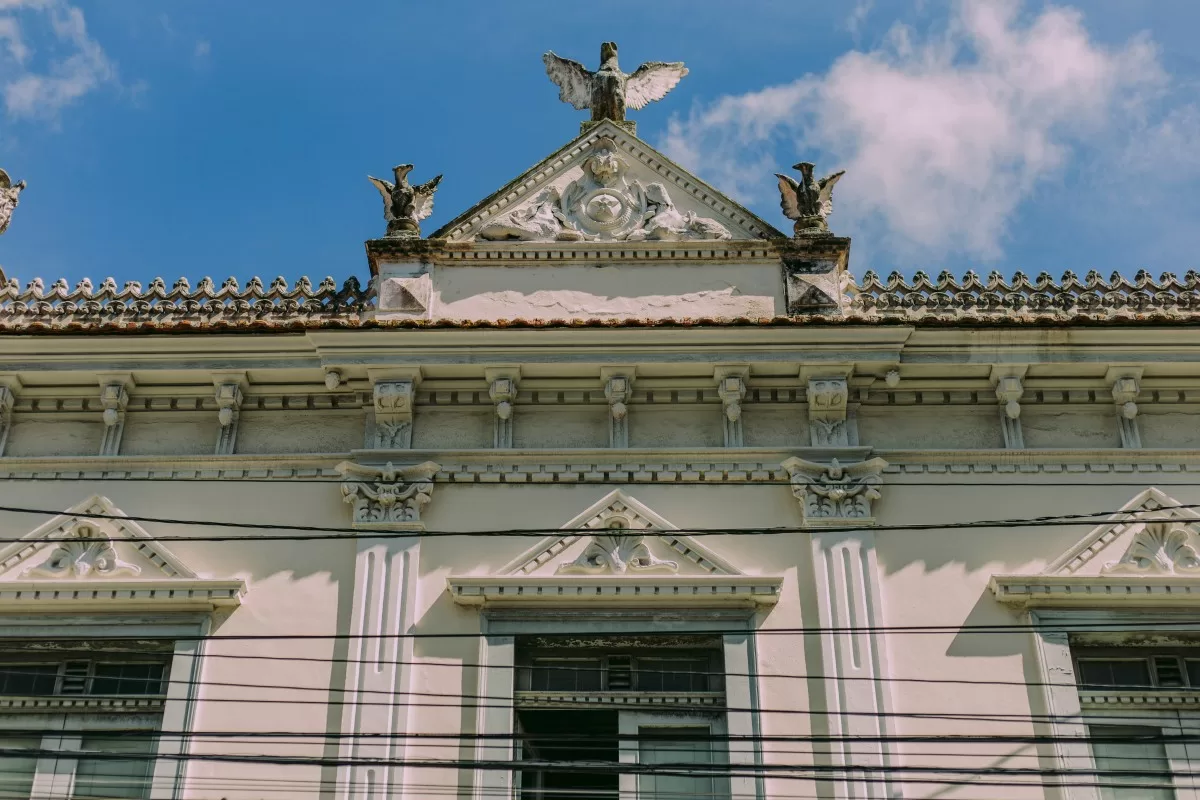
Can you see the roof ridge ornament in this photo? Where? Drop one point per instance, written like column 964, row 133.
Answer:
column 10, row 194
column 404, row 206
column 608, row 91
column 808, row 201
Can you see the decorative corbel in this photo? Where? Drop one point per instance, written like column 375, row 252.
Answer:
column 1009, row 389
column 229, row 408
column 502, row 388
column 1126, row 385
column 828, row 407
column 7, row 401
column 114, row 397
column 731, row 388
column 833, row 494
column 387, row 497
column 393, row 398
column 618, row 387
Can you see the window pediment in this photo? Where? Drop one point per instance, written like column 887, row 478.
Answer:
column 1148, row 553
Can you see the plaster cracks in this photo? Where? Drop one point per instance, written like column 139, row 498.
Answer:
column 387, row 497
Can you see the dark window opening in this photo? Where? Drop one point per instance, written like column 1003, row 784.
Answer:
column 1137, row 667
column 580, row 748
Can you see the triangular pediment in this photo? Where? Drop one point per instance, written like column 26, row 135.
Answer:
column 1152, row 534
column 90, row 541
column 585, row 549
column 606, row 185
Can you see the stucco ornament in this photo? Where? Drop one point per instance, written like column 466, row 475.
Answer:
column 833, row 494
column 10, row 195
column 404, row 206
column 608, row 90
column 1161, row 548
column 543, row 221
column 603, row 205
column 387, row 496
column 85, row 552
column 808, row 201
column 828, row 408
column 617, row 553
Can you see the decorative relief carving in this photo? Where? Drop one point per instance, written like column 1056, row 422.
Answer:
column 608, row 90
column 1163, row 547
column 832, row 494
column 617, row 554
column 828, row 404
column 393, row 403
column 602, row 205
column 86, row 551
column 229, row 404
column 387, row 497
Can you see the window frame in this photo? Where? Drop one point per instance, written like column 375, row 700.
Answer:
column 500, row 626
column 1070, row 713
column 187, row 630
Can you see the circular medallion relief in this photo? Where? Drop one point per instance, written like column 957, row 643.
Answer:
column 605, row 210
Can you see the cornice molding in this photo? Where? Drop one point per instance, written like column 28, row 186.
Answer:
column 1090, row 591
column 176, row 594
column 666, row 590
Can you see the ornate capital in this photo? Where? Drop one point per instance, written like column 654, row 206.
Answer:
column 387, row 497
column 393, row 403
column 833, row 494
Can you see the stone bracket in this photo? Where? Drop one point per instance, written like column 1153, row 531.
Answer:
column 7, row 400
column 229, row 406
column 387, row 497
column 828, row 410
column 502, row 388
column 1126, row 383
column 731, row 388
column 1009, row 390
column 618, row 387
column 114, row 397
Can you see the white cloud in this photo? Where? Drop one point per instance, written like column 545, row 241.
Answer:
column 942, row 135
column 74, row 63
column 203, row 49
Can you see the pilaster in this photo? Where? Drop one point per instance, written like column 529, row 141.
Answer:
column 849, row 610
column 384, row 599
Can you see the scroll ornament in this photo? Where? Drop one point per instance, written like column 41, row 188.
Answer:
column 387, row 496
column 85, row 551
column 833, row 494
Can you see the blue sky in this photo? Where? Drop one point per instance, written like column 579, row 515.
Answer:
column 223, row 137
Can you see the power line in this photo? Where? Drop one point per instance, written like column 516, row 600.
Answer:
column 325, row 532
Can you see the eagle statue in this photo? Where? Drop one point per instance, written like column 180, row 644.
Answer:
column 10, row 195
column 608, row 91
column 808, row 201
column 404, row 206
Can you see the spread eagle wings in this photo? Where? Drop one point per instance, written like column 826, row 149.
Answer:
column 5, row 181
column 384, row 187
column 574, row 80
column 826, row 197
column 423, row 198
column 651, row 81
column 787, row 196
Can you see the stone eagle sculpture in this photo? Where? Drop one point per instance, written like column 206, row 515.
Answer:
column 807, row 201
column 10, row 194
column 608, row 91
column 404, row 206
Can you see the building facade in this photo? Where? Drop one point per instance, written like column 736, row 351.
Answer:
column 607, row 488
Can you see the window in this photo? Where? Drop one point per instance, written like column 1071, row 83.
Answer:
column 125, row 684
column 592, row 716
column 1116, row 749
column 1136, row 667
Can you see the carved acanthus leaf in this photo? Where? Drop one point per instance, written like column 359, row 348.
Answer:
column 833, row 494
column 386, row 497
column 617, row 554
column 85, row 551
